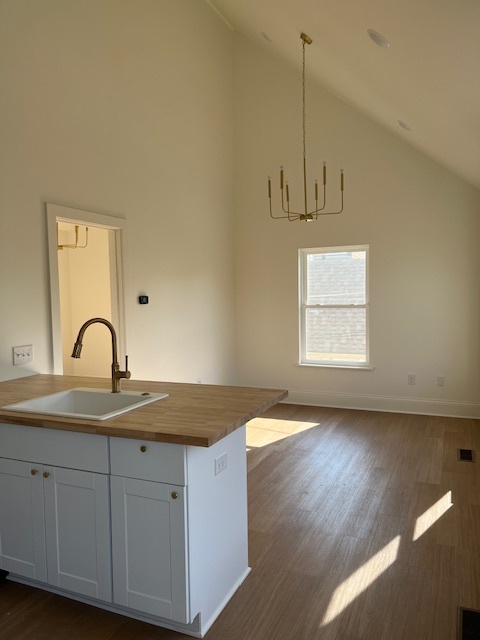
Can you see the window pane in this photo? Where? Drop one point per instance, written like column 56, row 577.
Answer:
column 336, row 334
column 336, row 278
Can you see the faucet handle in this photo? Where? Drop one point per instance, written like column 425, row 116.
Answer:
column 127, row 372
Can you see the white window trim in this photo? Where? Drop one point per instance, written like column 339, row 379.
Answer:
column 302, row 307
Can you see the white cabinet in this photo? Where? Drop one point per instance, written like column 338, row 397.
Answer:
column 55, row 522
column 22, row 525
column 149, row 538
column 77, row 523
column 179, row 529
column 149, row 547
column 164, row 524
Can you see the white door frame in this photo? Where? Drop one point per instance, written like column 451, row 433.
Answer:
column 57, row 213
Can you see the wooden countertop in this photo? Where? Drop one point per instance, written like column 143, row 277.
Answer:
column 193, row 414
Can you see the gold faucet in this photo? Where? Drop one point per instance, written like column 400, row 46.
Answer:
column 117, row 375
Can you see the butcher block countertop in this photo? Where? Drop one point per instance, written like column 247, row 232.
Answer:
column 193, row 414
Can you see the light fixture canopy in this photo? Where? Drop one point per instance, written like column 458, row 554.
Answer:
column 378, row 39
column 405, row 125
column 307, row 215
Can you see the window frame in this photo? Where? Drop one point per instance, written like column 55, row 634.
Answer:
column 303, row 306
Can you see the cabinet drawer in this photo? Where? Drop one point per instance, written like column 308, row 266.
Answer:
column 155, row 461
column 84, row 451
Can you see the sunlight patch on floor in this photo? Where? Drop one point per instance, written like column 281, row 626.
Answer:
column 359, row 581
column 431, row 515
column 264, row 431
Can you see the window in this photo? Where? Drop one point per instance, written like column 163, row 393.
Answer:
column 333, row 305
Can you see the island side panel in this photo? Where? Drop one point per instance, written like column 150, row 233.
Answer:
column 218, row 525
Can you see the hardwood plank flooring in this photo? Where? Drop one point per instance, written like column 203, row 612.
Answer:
column 363, row 526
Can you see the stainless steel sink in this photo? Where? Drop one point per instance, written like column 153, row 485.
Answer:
column 87, row 404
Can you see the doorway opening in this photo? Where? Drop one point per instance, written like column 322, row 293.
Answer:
column 86, row 281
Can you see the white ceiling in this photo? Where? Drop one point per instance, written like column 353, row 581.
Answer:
column 429, row 77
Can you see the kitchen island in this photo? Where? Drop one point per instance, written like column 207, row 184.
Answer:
column 144, row 514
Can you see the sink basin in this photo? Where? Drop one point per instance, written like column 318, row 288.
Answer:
column 87, row 404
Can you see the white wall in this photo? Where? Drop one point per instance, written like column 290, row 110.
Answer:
column 422, row 225
column 122, row 107
column 125, row 107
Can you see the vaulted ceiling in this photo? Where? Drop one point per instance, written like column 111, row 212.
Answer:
column 428, row 78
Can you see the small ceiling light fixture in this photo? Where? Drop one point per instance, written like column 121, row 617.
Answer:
column 404, row 125
column 307, row 216
column 378, row 39
column 60, row 247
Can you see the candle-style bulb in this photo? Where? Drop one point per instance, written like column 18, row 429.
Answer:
column 269, row 187
column 281, row 176
column 341, row 180
column 324, row 173
column 316, row 189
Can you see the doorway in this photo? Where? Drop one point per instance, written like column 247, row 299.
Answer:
column 86, row 281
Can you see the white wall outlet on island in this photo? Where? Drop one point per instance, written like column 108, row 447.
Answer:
column 23, row 354
column 221, row 463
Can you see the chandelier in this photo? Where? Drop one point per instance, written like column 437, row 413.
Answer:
column 306, row 215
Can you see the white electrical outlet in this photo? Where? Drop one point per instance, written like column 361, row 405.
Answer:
column 23, row 354
column 412, row 378
column 221, row 463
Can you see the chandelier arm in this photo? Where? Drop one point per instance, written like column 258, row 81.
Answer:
column 291, row 214
column 332, row 213
column 287, row 210
column 317, row 208
column 283, row 203
column 270, row 203
column 275, row 217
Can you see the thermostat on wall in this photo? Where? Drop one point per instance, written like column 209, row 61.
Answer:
column 143, row 299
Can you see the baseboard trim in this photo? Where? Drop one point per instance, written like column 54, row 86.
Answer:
column 192, row 629
column 391, row 404
column 205, row 626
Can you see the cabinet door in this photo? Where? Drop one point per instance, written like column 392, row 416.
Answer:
column 149, row 547
column 77, row 518
column 22, row 528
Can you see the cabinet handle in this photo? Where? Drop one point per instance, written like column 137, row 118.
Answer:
column 46, row 474
column 143, row 448
column 34, row 472
column 174, row 495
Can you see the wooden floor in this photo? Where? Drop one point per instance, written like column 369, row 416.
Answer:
column 363, row 526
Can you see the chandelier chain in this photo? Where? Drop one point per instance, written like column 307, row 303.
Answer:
column 304, row 108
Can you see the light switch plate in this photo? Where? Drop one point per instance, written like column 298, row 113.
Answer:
column 23, row 354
